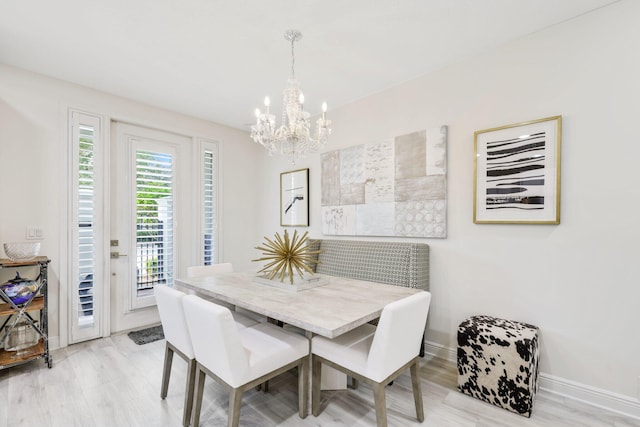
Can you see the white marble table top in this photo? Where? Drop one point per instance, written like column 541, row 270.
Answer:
column 329, row 310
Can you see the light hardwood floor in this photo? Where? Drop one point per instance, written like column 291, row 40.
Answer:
column 113, row 382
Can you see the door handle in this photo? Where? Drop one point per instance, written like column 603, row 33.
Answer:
column 116, row 255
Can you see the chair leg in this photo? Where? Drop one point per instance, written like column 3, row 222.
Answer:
column 166, row 371
column 354, row 383
column 199, row 391
column 380, row 402
column 188, row 393
column 316, row 375
column 235, row 402
column 417, row 391
column 303, row 387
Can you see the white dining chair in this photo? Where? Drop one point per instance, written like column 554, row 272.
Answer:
column 178, row 340
column 241, row 359
column 204, row 270
column 377, row 355
column 225, row 267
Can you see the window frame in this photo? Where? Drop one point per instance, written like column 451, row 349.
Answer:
column 100, row 318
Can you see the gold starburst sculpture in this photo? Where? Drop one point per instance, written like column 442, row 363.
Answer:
column 286, row 255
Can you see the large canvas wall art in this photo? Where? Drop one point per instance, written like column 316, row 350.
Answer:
column 390, row 188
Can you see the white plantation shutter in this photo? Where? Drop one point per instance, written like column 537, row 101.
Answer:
column 209, row 198
column 85, row 216
column 154, row 220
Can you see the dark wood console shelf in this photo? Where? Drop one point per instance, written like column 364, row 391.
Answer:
column 37, row 304
column 14, row 314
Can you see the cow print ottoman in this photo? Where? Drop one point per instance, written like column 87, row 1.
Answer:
column 498, row 362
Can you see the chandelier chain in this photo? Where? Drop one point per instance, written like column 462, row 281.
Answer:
column 293, row 60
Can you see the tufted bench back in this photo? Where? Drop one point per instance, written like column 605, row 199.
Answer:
column 392, row 263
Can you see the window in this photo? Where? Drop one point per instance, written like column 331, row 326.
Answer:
column 209, row 162
column 154, row 220
column 85, row 222
column 85, row 214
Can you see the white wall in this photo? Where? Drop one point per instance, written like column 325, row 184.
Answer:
column 577, row 281
column 33, row 144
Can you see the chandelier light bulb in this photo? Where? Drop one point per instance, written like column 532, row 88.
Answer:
column 257, row 113
column 324, row 107
column 267, row 101
column 301, row 98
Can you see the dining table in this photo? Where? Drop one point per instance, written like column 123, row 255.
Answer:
column 334, row 307
column 337, row 306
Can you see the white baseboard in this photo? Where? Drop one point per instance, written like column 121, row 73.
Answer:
column 590, row 395
column 561, row 387
column 434, row 349
column 54, row 343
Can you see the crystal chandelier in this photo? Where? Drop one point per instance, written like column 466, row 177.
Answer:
column 293, row 137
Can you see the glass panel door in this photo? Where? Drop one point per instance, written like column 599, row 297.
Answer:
column 145, row 194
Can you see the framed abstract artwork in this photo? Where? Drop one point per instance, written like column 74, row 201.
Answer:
column 517, row 173
column 294, row 198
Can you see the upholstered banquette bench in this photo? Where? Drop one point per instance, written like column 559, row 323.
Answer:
column 391, row 263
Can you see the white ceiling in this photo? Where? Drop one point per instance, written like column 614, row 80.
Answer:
column 217, row 59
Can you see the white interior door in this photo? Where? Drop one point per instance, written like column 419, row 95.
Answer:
column 145, row 209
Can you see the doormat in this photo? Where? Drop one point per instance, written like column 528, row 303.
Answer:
column 145, row 336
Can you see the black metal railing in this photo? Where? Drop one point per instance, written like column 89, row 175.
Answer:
column 152, row 265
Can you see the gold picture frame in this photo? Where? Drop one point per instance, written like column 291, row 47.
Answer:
column 517, row 173
column 294, row 198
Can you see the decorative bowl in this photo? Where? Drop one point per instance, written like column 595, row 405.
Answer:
column 19, row 290
column 22, row 251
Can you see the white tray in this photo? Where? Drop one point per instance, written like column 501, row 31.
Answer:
column 299, row 284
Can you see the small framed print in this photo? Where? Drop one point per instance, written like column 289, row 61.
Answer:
column 517, row 173
column 294, row 198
